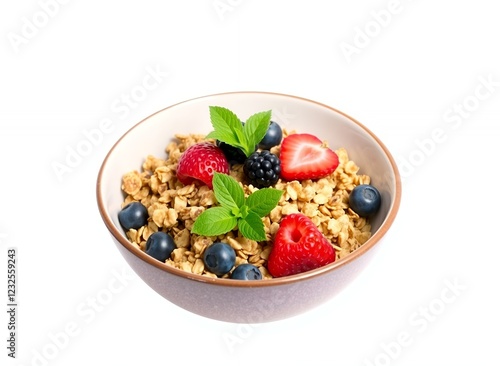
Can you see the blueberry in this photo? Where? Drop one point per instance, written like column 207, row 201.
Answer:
column 133, row 216
column 247, row 272
column 160, row 245
column 273, row 136
column 365, row 200
column 219, row 258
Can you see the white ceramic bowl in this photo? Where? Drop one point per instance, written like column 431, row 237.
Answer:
column 248, row 301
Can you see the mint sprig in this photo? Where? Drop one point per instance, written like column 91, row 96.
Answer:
column 235, row 210
column 229, row 129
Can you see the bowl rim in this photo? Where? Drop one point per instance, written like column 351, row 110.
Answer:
column 369, row 244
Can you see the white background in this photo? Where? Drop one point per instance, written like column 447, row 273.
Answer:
column 66, row 67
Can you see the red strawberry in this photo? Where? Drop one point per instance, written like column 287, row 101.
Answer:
column 298, row 247
column 304, row 156
column 199, row 162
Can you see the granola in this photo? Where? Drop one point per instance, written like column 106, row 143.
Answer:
column 173, row 207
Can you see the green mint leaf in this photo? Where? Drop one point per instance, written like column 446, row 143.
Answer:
column 244, row 210
column 234, row 209
column 252, row 227
column 263, row 200
column 227, row 191
column 255, row 129
column 214, row 221
column 228, row 139
column 227, row 126
column 236, row 212
column 229, row 129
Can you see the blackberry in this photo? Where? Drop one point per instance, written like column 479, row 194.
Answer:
column 262, row 168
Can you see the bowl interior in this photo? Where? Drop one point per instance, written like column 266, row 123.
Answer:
column 151, row 136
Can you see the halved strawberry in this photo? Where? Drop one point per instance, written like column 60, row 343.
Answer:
column 304, row 156
column 199, row 163
column 298, row 247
